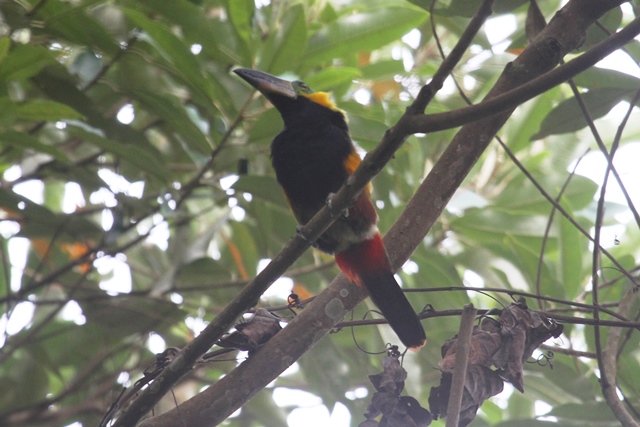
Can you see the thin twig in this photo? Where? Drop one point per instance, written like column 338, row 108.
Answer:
column 608, row 363
column 463, row 346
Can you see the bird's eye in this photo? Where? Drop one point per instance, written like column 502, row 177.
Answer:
column 304, row 86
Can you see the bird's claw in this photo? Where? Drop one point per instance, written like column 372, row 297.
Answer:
column 344, row 213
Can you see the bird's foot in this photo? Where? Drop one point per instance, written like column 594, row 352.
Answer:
column 344, row 213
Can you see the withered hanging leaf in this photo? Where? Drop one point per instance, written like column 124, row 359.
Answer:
column 407, row 413
column 506, row 344
column 253, row 333
column 392, row 377
column 480, row 384
column 396, row 410
column 522, row 332
column 542, row 328
column 483, row 345
column 509, row 358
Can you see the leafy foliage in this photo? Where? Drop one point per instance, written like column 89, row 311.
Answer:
column 137, row 197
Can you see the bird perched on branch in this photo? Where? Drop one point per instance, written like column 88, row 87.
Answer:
column 313, row 156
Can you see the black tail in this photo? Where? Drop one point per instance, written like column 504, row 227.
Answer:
column 388, row 296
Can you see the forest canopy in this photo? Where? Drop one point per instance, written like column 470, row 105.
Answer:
column 140, row 218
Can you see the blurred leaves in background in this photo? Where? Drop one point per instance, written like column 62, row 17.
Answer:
column 137, row 196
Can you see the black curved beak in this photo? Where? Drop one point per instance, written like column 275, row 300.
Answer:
column 266, row 83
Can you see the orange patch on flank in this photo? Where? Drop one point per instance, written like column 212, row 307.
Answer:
column 351, row 164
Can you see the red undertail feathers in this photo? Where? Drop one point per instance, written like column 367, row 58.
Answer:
column 366, row 264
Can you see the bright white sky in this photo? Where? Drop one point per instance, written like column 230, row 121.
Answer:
column 311, row 412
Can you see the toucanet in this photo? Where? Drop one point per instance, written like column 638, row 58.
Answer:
column 312, row 157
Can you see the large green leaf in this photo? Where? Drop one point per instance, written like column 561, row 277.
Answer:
column 5, row 44
column 593, row 413
column 363, row 31
column 210, row 34
column 609, row 23
column 240, row 14
column 174, row 50
column 174, row 113
column 263, row 187
column 138, row 156
column 522, row 196
column 598, row 78
column 23, row 141
column 24, row 61
column 201, row 272
column 286, row 43
column 72, row 23
column 46, row 110
column 568, row 117
column 332, row 77
column 120, row 317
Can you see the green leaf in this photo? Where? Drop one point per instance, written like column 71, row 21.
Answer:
column 366, row 132
column 592, row 413
column 202, row 271
column 46, row 110
column 24, row 61
column 599, row 78
column 263, row 187
column 332, row 77
column 521, row 196
column 489, row 224
column 568, row 117
column 5, row 44
column 199, row 28
column 240, row 15
column 57, row 85
column 126, row 316
column 595, row 34
column 572, row 246
column 73, row 23
column 364, row 31
column 382, row 70
column 266, row 127
column 174, row 113
column 285, row 44
column 23, row 141
column 22, row 208
column 136, row 155
column 185, row 63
